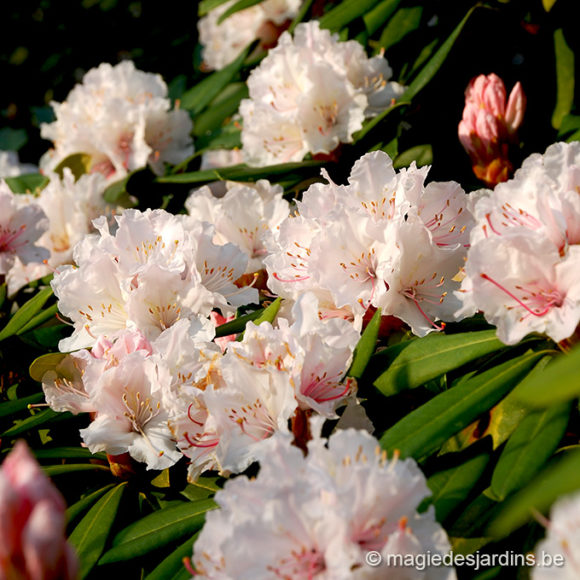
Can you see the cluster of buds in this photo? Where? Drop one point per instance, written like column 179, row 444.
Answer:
column 489, row 126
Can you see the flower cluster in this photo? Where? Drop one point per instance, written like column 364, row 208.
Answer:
column 310, row 94
column 317, row 517
column 121, row 118
column 524, row 257
column 223, row 41
column 33, row 522
column 384, row 240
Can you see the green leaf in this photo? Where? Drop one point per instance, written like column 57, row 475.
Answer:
column 559, row 382
column 53, row 470
column 530, row 446
column 11, row 407
column 267, row 315
column 196, row 99
column 564, row 78
column 158, row 529
column 81, row 506
column 425, row 429
column 29, row 183
column 206, row 6
column 40, row 318
column 365, row 346
column 346, row 12
column 376, row 18
column 451, row 487
column 90, row 536
column 238, row 325
column 421, row 154
column 239, row 5
column 302, row 12
column 25, row 313
column 68, row 453
column 12, row 139
column 560, row 477
column 413, row 363
column 172, row 566
column 214, row 116
column 38, row 419
column 45, row 363
column 238, row 173
column 435, row 63
column 404, row 21
column 78, row 163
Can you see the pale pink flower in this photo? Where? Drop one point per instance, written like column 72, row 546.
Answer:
column 33, row 522
column 489, row 125
column 21, row 225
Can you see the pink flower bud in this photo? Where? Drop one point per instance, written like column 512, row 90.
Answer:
column 32, row 522
column 489, row 126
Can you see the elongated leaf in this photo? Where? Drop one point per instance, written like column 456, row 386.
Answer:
column 424, row 430
column 158, row 529
column 238, row 173
column 346, row 12
column 45, row 417
column 42, row 317
column 196, row 99
column 451, row 487
column 559, row 382
column 435, row 63
column 68, row 453
column 215, row 115
column 417, row 361
column 172, row 567
column 420, row 154
column 267, row 315
column 402, row 23
column 52, row 470
column 365, row 346
column 472, row 522
column 560, row 477
column 29, row 183
column 530, row 446
column 239, row 5
column 564, row 78
column 11, row 407
column 302, row 12
column 237, row 325
column 81, row 506
column 90, row 536
column 376, row 18
column 206, row 6
column 26, row 313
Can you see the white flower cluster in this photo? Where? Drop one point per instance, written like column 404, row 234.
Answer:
column 222, row 42
column 310, row 94
column 121, row 118
column 522, row 266
column 70, row 208
column 317, row 517
column 155, row 382
column 384, row 240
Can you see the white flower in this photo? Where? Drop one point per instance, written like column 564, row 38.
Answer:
column 317, row 516
column 121, row 117
column 246, row 216
column 222, row 42
column 21, row 226
column 562, row 541
column 10, row 165
column 310, row 94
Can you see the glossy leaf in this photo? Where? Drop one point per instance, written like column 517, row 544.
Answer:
column 564, row 78
column 206, row 6
column 365, row 346
column 78, row 508
column 158, row 529
column 451, row 487
column 530, row 446
column 8, row 408
column 346, row 12
column 172, row 566
column 196, row 99
column 404, row 21
column 239, row 5
column 560, row 477
column 237, row 325
column 215, row 115
column 78, row 163
column 45, row 417
column 45, row 363
column 267, row 315
column 68, row 453
column 420, row 154
column 91, row 534
column 415, row 362
column 25, row 313
column 425, row 429
column 53, row 470
column 28, row 183
column 430, row 69
column 559, row 382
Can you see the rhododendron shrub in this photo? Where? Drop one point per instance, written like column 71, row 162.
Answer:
column 259, row 319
